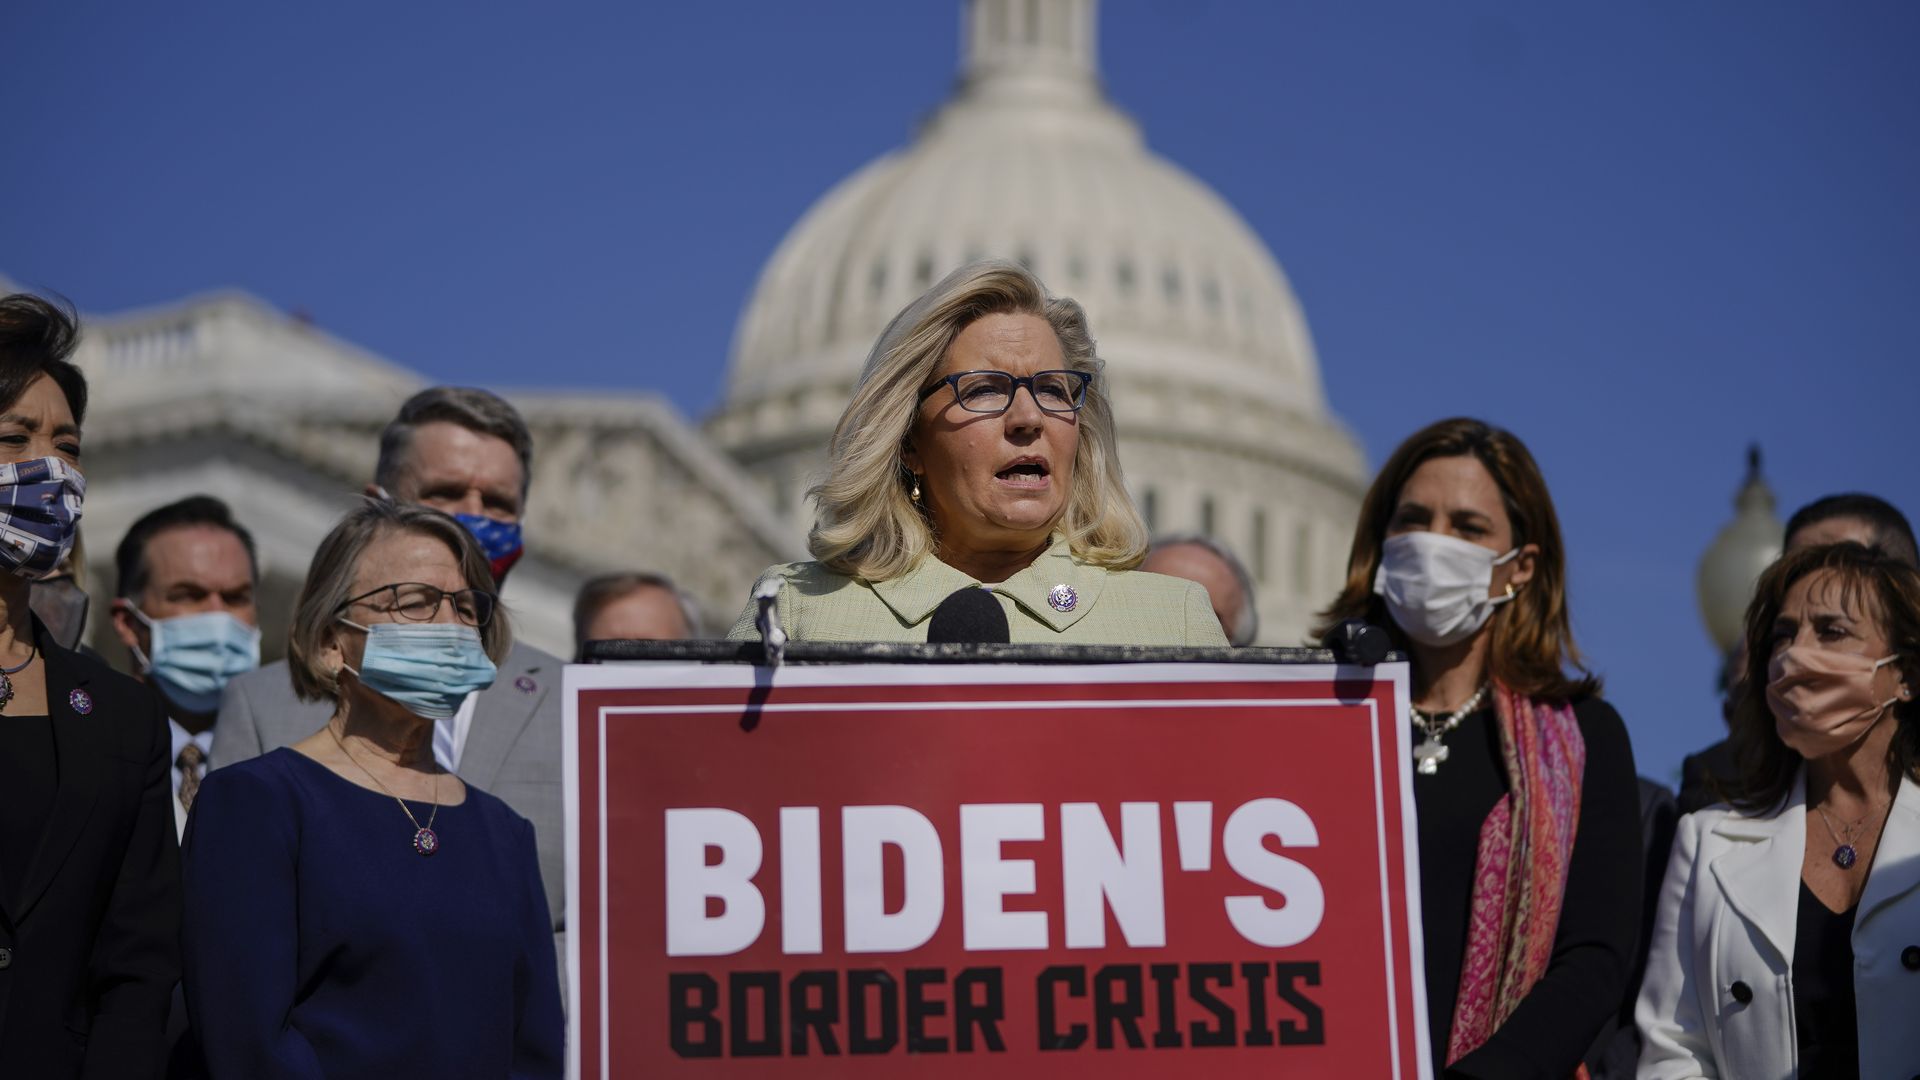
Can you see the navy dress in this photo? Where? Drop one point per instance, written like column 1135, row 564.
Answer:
column 320, row 944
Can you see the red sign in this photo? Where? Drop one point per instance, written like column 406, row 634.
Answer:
column 866, row 871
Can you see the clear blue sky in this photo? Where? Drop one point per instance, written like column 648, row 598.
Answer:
column 1640, row 234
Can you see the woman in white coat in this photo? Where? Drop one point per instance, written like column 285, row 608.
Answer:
column 1788, row 938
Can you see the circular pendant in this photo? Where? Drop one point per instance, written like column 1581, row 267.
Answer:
column 1844, row 856
column 426, row 841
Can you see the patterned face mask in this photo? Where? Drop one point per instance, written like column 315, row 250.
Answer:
column 499, row 541
column 39, row 508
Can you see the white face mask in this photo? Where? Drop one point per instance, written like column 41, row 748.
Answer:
column 1436, row 586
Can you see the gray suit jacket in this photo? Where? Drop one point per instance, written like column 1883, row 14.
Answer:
column 512, row 750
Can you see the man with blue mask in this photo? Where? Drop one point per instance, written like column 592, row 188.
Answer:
column 467, row 453
column 184, row 608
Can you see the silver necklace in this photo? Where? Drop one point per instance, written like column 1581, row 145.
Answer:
column 1432, row 751
column 1844, row 853
column 6, row 682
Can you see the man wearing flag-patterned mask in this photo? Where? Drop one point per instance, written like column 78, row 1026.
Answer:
column 465, row 452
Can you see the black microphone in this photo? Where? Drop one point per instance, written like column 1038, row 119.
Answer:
column 1356, row 641
column 970, row 615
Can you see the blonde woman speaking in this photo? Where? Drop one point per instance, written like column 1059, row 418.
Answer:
column 974, row 479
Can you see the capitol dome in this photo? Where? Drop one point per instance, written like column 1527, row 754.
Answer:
column 1224, row 427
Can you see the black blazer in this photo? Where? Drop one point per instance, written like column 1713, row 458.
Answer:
column 90, row 945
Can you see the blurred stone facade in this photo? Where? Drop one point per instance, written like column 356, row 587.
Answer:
column 1223, row 422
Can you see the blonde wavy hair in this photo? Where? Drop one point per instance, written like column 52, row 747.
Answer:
column 866, row 525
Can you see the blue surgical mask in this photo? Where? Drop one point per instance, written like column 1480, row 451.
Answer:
column 499, row 541
column 191, row 657
column 39, row 510
column 428, row 667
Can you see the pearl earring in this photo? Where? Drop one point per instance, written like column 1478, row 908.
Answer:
column 915, row 496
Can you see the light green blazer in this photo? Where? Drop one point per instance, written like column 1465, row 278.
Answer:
column 1110, row 607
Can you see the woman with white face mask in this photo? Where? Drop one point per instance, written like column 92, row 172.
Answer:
column 1788, row 936
column 1528, row 807
column 353, row 909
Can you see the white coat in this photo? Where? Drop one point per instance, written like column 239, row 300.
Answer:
column 1728, row 911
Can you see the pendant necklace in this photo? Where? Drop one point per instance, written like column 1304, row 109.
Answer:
column 1431, row 751
column 1844, row 853
column 425, row 840
column 6, row 682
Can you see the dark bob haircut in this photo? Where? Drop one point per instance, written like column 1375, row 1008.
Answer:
column 37, row 337
column 1874, row 585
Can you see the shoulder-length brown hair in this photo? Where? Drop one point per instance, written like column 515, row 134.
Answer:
column 1532, row 646
column 1872, row 583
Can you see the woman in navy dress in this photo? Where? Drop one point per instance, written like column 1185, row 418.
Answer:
column 352, row 909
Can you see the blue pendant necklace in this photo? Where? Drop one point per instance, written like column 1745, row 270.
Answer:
column 1844, row 853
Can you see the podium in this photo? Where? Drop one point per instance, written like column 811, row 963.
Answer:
column 932, row 860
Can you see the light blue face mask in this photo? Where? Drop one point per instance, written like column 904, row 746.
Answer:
column 191, row 657
column 428, row 667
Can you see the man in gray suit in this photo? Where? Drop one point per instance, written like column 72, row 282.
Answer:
column 467, row 453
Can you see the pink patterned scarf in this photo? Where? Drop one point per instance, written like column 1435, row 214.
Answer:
column 1520, row 873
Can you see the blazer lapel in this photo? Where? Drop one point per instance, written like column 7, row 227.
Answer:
column 79, row 741
column 1896, row 864
column 502, row 711
column 912, row 596
column 1760, row 877
column 1034, row 588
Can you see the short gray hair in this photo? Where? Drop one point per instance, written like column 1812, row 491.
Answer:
column 479, row 411
column 330, row 582
column 605, row 589
column 1247, row 626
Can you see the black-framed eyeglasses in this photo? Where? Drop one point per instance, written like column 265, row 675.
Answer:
column 992, row 391
column 416, row 601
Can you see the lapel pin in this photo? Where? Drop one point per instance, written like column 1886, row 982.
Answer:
column 81, row 701
column 1062, row 598
column 525, row 684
